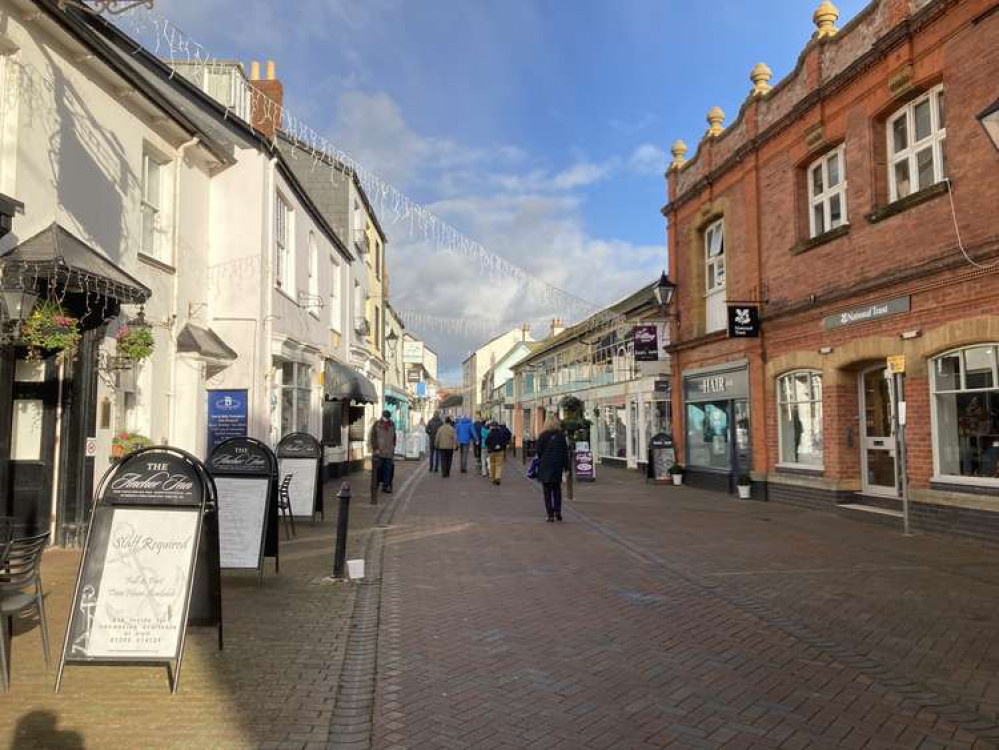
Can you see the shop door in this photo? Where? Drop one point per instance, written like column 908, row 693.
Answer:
column 634, row 439
column 877, row 446
column 32, row 445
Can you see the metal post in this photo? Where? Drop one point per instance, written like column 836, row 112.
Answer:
column 900, row 420
column 342, row 519
column 572, row 468
column 376, row 466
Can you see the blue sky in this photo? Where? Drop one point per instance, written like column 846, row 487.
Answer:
column 539, row 127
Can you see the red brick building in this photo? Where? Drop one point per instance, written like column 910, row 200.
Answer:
column 856, row 205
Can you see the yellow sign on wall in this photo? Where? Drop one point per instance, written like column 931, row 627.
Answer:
column 896, row 364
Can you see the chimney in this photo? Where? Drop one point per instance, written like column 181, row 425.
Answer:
column 267, row 102
column 525, row 331
column 557, row 328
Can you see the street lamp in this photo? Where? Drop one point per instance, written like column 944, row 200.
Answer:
column 664, row 291
column 990, row 121
column 393, row 341
column 18, row 303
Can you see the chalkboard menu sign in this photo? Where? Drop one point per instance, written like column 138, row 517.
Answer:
column 144, row 548
column 662, row 456
column 245, row 474
column 299, row 454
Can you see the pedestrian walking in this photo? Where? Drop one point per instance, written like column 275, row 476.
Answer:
column 496, row 442
column 464, row 432
column 553, row 459
column 447, row 441
column 484, row 458
column 477, row 444
column 432, row 426
column 381, row 441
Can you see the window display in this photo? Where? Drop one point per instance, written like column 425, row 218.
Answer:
column 708, row 435
column 612, row 434
column 966, row 401
column 799, row 421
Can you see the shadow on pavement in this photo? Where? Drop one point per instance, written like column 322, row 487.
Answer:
column 40, row 729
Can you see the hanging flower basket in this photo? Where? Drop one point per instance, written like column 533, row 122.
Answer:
column 50, row 329
column 126, row 442
column 135, row 342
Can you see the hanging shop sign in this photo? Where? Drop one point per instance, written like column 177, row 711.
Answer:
column 867, row 313
column 227, row 416
column 584, row 465
column 662, row 455
column 412, row 351
column 413, row 375
column 245, row 474
column 150, row 564
column 743, row 321
column 661, row 386
column 300, row 455
column 646, row 343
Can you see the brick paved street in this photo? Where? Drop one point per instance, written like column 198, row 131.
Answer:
column 663, row 617
column 275, row 685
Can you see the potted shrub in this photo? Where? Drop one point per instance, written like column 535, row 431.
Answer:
column 744, row 485
column 50, row 329
column 126, row 442
column 135, row 343
column 676, row 473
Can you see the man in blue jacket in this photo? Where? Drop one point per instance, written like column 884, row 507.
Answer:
column 464, row 430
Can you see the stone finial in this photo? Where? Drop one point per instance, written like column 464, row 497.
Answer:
column 679, row 151
column 825, row 18
column 715, row 119
column 760, row 76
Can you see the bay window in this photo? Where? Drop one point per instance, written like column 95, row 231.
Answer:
column 714, row 277
column 966, row 413
column 799, row 419
column 827, row 192
column 917, row 136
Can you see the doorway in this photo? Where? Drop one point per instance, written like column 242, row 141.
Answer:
column 878, row 472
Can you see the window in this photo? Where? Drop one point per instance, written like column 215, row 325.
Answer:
column 966, row 413
column 335, row 318
column 612, row 433
column 153, row 234
column 296, row 397
column 827, row 192
column 284, row 265
column 799, row 419
column 314, row 300
column 378, row 260
column 714, row 277
column 378, row 327
column 917, row 136
column 708, row 435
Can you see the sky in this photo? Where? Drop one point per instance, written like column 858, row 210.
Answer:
column 539, row 128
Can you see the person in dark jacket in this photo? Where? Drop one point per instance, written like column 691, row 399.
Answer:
column 477, row 444
column 553, row 459
column 432, row 426
column 496, row 440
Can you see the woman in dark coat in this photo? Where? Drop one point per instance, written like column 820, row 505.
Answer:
column 553, row 459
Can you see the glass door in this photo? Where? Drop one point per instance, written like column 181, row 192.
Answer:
column 634, row 439
column 877, row 446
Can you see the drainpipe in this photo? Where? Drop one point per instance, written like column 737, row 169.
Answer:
column 267, row 288
column 172, row 391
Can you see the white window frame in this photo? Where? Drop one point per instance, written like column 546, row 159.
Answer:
column 284, row 256
column 314, row 303
column 300, row 395
column 824, row 197
column 336, row 293
column 936, row 140
column 154, row 210
column 715, row 296
column 938, row 476
column 782, row 402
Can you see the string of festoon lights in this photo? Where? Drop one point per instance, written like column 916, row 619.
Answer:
column 149, row 27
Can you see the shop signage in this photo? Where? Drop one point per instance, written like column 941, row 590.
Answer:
column 299, row 455
column 896, row 365
column 412, row 351
column 586, row 470
column 661, row 386
column 421, row 389
column 867, row 313
column 245, row 472
column 413, row 375
column 646, row 343
column 90, row 449
column 226, row 416
column 743, row 321
column 135, row 591
column 662, row 456
column 716, row 386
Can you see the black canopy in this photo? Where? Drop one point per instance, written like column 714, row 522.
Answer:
column 205, row 343
column 346, row 384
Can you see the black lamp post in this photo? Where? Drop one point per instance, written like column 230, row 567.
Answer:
column 664, row 291
column 990, row 121
column 393, row 341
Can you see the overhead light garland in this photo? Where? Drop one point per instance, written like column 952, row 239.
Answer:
column 114, row 7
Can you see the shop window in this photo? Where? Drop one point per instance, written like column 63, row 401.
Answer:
column 917, row 137
column 799, row 420
column 708, row 435
column 355, row 433
column 966, row 414
column 296, row 397
column 714, row 277
column 827, row 192
column 612, row 433
column 333, row 423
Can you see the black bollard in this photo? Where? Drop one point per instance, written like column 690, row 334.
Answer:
column 342, row 519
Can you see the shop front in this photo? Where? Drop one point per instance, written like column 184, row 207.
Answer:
column 345, row 394
column 625, row 418
column 716, row 420
column 397, row 404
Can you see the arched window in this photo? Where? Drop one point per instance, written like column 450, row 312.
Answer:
column 799, row 419
column 966, row 414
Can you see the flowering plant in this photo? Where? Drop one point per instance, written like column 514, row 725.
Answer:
column 49, row 328
column 135, row 343
column 126, row 442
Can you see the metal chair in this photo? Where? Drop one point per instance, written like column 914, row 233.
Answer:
column 21, row 571
column 7, row 524
column 284, row 506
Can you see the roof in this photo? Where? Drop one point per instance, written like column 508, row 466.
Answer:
column 205, row 343
column 56, row 251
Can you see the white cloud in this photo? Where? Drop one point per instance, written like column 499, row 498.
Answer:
column 648, row 159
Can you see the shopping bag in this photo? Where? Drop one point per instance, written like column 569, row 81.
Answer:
column 533, row 467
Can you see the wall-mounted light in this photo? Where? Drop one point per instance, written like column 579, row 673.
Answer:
column 909, row 335
column 990, row 121
column 826, row 350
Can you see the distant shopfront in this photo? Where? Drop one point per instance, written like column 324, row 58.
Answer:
column 716, row 420
column 626, row 416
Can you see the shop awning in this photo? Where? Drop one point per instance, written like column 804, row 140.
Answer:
column 204, row 343
column 396, row 395
column 452, row 401
column 57, row 256
column 346, row 384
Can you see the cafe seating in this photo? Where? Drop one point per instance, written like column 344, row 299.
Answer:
column 284, row 506
column 20, row 590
